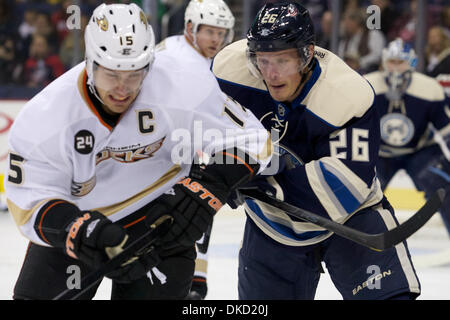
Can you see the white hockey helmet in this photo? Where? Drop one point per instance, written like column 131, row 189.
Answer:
column 214, row 13
column 118, row 37
column 398, row 50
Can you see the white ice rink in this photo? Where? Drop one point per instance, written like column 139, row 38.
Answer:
column 430, row 248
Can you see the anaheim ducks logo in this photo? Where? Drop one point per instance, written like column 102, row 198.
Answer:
column 102, row 23
column 129, row 154
column 143, row 19
column 79, row 189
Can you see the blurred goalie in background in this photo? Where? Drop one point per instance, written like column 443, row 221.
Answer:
column 415, row 128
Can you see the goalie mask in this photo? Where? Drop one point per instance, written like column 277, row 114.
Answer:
column 280, row 27
column 399, row 62
column 119, row 40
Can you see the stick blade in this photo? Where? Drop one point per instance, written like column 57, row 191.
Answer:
column 414, row 223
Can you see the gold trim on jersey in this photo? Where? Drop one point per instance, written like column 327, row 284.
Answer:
column 201, row 265
column 22, row 216
column 112, row 209
column 266, row 152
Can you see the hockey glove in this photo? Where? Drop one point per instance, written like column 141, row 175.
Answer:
column 93, row 239
column 192, row 203
column 90, row 234
column 195, row 199
column 260, row 182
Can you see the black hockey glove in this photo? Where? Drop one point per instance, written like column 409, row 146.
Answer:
column 260, row 182
column 94, row 239
column 90, row 234
column 192, row 203
column 194, row 200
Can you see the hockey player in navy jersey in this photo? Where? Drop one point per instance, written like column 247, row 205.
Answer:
column 95, row 160
column 208, row 28
column 323, row 111
column 415, row 123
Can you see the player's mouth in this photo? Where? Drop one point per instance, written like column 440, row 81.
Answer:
column 277, row 87
column 119, row 99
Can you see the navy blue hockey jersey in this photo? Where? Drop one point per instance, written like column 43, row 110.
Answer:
column 332, row 127
column 405, row 123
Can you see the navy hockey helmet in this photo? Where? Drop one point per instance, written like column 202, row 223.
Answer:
column 281, row 26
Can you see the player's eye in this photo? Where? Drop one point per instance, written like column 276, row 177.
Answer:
column 111, row 75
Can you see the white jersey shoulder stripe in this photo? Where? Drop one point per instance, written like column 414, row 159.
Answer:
column 434, row 91
column 340, row 93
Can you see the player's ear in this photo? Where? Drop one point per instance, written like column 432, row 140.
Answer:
column 189, row 29
column 311, row 50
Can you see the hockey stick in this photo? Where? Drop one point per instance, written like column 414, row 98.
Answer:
column 379, row 241
column 143, row 245
column 203, row 246
column 440, row 141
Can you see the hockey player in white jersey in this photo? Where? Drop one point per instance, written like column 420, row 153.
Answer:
column 106, row 149
column 208, row 28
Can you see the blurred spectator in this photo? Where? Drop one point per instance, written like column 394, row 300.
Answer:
column 405, row 26
column 350, row 5
column 9, row 63
column 6, row 17
column 316, row 10
column 27, row 27
column 323, row 35
column 42, row 66
column 44, row 27
column 436, row 12
column 445, row 20
column 388, row 16
column 58, row 19
column 358, row 42
column 437, row 55
column 66, row 52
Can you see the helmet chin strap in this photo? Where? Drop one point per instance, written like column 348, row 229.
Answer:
column 93, row 90
column 192, row 38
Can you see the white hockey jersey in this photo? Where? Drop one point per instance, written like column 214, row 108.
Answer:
column 62, row 148
column 184, row 51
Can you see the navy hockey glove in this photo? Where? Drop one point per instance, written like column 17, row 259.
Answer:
column 195, row 199
column 260, row 182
